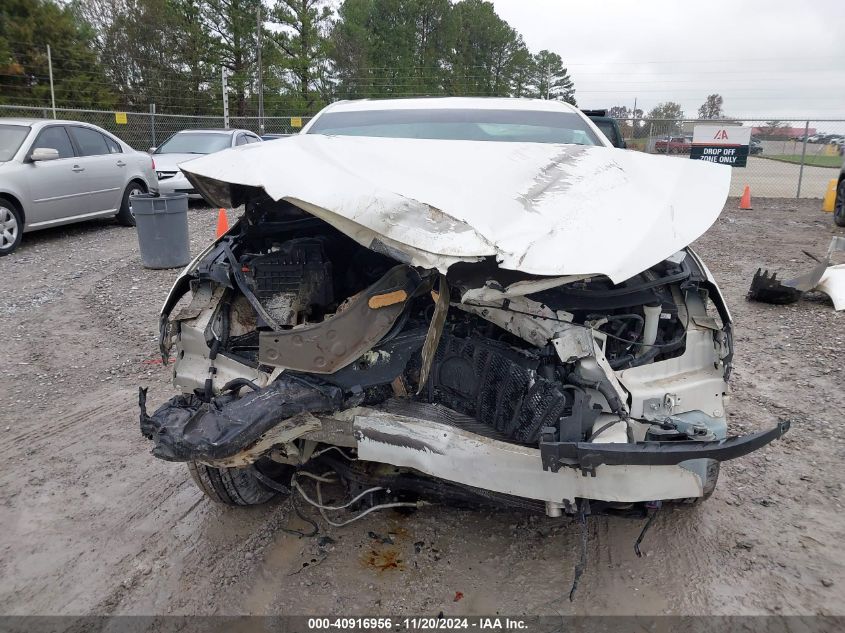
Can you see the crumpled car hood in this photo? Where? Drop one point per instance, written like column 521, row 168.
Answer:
column 542, row 209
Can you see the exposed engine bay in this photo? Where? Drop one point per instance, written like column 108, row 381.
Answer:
column 290, row 339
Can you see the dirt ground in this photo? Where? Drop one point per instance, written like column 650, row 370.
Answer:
column 90, row 523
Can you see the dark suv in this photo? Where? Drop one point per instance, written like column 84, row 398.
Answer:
column 608, row 126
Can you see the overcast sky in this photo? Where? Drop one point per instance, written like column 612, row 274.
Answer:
column 767, row 58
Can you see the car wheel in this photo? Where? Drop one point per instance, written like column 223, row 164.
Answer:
column 125, row 216
column 11, row 227
column 839, row 204
column 247, row 486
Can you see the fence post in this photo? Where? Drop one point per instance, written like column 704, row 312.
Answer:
column 803, row 154
column 153, row 124
column 52, row 91
column 225, row 90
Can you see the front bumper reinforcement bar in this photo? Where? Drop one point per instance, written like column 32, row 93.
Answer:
column 586, row 456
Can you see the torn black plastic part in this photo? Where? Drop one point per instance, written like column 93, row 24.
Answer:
column 767, row 288
column 587, row 456
column 186, row 428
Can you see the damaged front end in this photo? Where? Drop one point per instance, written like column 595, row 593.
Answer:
column 291, row 339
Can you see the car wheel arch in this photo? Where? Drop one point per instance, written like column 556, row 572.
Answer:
column 139, row 180
column 15, row 201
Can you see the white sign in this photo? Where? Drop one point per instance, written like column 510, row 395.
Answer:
column 721, row 135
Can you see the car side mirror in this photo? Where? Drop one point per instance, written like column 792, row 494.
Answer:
column 44, row 153
column 152, row 150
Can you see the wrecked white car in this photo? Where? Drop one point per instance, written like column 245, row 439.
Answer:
column 460, row 298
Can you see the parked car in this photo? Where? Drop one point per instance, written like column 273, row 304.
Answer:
column 608, row 126
column 673, row 145
column 755, row 147
column 273, row 137
column 839, row 203
column 458, row 297
column 57, row 172
column 187, row 145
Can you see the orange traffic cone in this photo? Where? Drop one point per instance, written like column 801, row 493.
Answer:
column 222, row 223
column 745, row 201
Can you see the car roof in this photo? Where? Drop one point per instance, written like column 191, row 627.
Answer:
column 16, row 121
column 37, row 124
column 485, row 103
column 215, row 130
column 34, row 122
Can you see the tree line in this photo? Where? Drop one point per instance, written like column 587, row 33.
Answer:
column 128, row 54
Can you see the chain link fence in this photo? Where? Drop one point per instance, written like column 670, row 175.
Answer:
column 142, row 130
column 788, row 158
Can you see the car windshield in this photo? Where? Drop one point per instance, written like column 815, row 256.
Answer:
column 460, row 124
column 11, row 137
column 195, row 143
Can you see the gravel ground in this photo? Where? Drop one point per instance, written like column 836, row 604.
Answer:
column 90, row 523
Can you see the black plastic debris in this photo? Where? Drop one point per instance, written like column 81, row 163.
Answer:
column 766, row 288
column 188, row 428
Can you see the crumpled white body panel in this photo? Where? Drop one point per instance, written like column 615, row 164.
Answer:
column 832, row 284
column 541, row 209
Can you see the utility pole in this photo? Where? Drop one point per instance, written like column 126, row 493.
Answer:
column 52, row 91
column 223, row 76
column 260, row 78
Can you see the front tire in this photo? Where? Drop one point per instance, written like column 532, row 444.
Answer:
column 125, row 217
column 247, row 486
column 839, row 204
column 11, row 226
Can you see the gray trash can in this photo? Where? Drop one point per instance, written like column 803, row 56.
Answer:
column 162, row 223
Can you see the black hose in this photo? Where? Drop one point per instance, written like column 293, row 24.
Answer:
column 604, row 388
column 602, row 429
column 237, row 383
column 628, row 361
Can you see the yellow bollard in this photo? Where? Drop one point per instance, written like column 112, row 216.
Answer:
column 829, row 196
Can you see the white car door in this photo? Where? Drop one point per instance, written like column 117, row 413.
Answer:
column 56, row 187
column 105, row 173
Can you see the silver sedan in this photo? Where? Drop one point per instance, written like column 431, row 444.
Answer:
column 58, row 172
column 187, row 145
